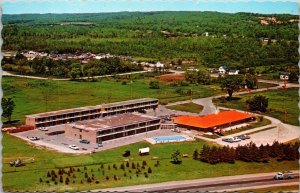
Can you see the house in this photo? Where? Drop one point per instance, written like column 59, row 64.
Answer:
column 284, row 75
column 233, row 72
column 223, row 69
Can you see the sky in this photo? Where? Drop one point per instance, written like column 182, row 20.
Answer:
column 98, row 6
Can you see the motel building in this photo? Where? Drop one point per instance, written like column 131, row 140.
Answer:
column 90, row 112
column 113, row 127
column 214, row 122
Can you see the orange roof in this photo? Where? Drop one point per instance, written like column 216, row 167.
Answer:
column 212, row 120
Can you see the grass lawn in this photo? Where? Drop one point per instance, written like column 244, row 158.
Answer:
column 35, row 96
column 257, row 124
column 279, row 101
column 187, row 107
column 27, row 177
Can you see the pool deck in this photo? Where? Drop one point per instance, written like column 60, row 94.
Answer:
column 186, row 138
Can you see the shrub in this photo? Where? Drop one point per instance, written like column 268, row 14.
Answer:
column 55, row 182
column 84, row 168
column 86, row 175
column 125, row 174
column 108, row 167
column 81, row 182
column 97, row 182
column 78, row 170
column 149, row 170
column 133, row 165
column 154, row 85
column 258, row 103
column 127, row 164
column 107, row 178
column 115, row 177
column 61, row 180
column 144, row 163
column 48, row 174
column 41, row 180
column 122, row 166
column 89, row 180
column 47, row 182
column 102, row 166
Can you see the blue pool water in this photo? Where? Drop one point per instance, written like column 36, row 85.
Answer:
column 168, row 138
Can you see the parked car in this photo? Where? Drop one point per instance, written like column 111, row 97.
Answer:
column 284, row 175
column 43, row 129
column 84, row 141
column 100, row 145
column 74, row 147
column 34, row 138
column 244, row 137
column 229, row 140
column 236, row 139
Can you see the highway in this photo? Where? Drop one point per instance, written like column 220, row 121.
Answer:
column 227, row 183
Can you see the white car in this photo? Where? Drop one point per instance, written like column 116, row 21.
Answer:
column 43, row 129
column 74, row 147
column 236, row 139
column 34, row 138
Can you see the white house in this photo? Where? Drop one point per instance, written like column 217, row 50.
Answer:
column 233, row 72
column 223, row 69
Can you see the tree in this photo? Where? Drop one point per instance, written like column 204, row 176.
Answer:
column 293, row 76
column 251, row 82
column 176, row 157
column 258, row 103
column 8, row 106
column 154, row 85
column 195, row 154
column 231, row 84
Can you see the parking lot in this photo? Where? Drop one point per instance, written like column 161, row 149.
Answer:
column 279, row 133
column 61, row 143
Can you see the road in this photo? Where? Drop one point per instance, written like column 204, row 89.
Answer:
column 4, row 73
column 225, row 183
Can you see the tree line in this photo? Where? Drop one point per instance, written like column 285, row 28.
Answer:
column 248, row 153
column 68, row 68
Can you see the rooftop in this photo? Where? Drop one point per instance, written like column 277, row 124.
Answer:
column 212, row 120
column 74, row 110
column 113, row 121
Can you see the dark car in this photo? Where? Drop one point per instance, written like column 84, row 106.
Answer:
column 84, row 141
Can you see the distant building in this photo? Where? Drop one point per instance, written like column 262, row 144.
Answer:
column 223, row 69
column 284, row 75
column 233, row 72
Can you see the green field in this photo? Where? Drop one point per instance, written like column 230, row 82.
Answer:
column 187, row 107
column 279, row 101
column 40, row 161
column 35, row 96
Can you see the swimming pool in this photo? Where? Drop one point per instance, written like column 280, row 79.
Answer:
column 165, row 139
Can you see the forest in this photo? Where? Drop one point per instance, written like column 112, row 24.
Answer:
column 207, row 38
